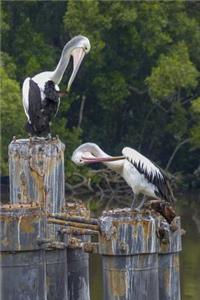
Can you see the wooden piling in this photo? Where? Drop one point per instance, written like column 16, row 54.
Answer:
column 129, row 255
column 29, row 269
column 140, row 255
column 42, row 240
column 36, row 169
column 77, row 259
column 33, row 259
column 169, row 247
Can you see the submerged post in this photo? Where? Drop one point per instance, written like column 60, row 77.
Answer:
column 128, row 247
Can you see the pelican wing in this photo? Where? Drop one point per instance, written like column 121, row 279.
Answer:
column 25, row 96
column 151, row 172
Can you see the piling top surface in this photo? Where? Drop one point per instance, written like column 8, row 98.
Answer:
column 25, row 146
column 127, row 232
column 125, row 213
column 21, row 226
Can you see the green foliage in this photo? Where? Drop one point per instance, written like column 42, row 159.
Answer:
column 195, row 108
column 71, row 138
column 139, row 80
column 24, row 41
column 195, row 130
column 179, row 123
column 112, row 91
column 173, row 72
column 93, row 19
column 153, row 21
column 12, row 116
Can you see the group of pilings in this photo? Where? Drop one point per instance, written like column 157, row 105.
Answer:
column 45, row 242
column 35, row 262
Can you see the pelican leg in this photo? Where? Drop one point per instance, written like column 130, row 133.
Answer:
column 133, row 202
column 141, row 203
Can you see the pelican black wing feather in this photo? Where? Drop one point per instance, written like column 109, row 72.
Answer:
column 41, row 112
column 38, row 124
column 51, row 102
column 159, row 179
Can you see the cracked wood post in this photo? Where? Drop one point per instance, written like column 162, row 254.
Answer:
column 32, row 270
column 128, row 246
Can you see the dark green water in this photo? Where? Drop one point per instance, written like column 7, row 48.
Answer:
column 188, row 207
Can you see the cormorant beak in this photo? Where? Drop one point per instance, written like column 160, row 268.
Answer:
column 78, row 55
column 91, row 160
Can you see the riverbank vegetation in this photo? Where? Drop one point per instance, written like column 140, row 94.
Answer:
column 139, row 85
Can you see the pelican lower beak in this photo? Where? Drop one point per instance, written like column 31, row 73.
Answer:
column 101, row 159
column 78, row 55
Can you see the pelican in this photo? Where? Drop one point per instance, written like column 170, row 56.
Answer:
column 41, row 93
column 142, row 175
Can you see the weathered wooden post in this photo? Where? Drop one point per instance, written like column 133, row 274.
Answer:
column 36, row 168
column 43, row 240
column 77, row 259
column 35, row 255
column 128, row 246
column 22, row 267
column 168, row 259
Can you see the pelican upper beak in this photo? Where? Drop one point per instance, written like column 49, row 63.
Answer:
column 78, row 55
column 101, row 159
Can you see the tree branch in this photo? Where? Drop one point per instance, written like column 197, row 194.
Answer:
column 81, row 111
column 175, row 151
column 137, row 91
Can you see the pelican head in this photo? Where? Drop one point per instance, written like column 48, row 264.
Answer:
column 89, row 153
column 82, row 152
column 78, row 47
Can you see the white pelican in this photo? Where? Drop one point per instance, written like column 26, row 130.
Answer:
column 137, row 170
column 41, row 92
